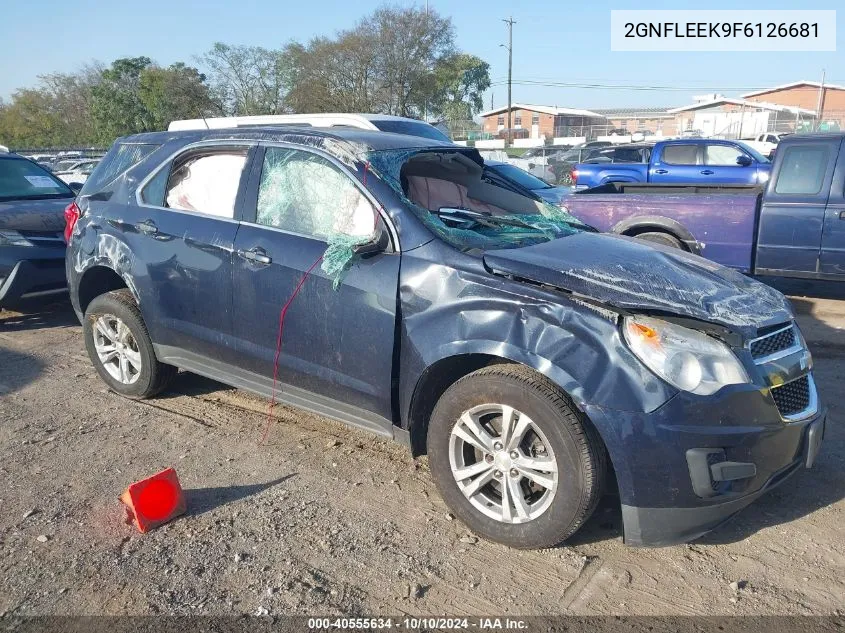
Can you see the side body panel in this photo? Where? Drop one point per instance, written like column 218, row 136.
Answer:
column 722, row 225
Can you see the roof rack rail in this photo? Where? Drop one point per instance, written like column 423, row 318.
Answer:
column 361, row 121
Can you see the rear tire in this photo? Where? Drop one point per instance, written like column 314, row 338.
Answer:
column 661, row 238
column 120, row 347
column 549, row 457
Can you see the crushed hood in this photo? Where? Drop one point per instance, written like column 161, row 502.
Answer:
column 34, row 215
column 626, row 273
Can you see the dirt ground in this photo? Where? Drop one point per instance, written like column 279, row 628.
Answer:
column 325, row 520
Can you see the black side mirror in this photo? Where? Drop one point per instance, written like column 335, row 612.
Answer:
column 743, row 160
column 377, row 245
column 76, row 187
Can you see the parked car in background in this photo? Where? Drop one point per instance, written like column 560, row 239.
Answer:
column 766, row 142
column 619, row 131
column 522, row 351
column 541, row 161
column 700, row 161
column 548, row 192
column 32, row 250
column 382, row 122
column 75, row 170
column 794, row 227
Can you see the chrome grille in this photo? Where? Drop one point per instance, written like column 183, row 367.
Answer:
column 773, row 343
column 794, row 397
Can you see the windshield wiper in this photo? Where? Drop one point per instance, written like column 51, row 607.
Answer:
column 484, row 219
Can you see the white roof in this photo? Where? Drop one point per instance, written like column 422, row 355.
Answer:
column 544, row 109
column 362, row 121
column 742, row 102
column 794, row 84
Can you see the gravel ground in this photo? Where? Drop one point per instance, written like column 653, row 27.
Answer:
column 321, row 519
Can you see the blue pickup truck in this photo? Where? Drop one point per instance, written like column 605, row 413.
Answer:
column 683, row 161
column 793, row 226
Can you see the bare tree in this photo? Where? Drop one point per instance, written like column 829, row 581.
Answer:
column 248, row 79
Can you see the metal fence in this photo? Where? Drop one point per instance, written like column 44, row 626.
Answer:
column 725, row 125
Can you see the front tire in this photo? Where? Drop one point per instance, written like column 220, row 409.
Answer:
column 120, row 348
column 512, row 458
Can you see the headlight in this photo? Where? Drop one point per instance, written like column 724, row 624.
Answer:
column 13, row 238
column 685, row 358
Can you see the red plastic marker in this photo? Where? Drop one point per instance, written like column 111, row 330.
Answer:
column 154, row 501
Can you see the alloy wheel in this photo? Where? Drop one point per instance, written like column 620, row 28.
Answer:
column 117, row 349
column 503, row 463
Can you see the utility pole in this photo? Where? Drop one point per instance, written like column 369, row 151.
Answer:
column 510, row 22
column 820, row 103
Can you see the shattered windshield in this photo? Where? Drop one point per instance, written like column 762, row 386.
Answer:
column 446, row 191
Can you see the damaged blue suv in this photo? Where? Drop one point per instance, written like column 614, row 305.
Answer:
column 395, row 284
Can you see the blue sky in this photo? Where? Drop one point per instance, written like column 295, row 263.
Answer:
column 554, row 41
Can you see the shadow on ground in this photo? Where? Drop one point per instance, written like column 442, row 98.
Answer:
column 202, row 500
column 17, row 370
column 187, row 384
column 35, row 314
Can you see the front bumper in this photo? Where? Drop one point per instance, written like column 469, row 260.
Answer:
column 669, row 526
column 29, row 271
column 660, row 489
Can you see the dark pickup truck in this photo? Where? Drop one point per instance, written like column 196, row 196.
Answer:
column 792, row 227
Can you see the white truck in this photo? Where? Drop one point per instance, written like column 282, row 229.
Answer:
column 765, row 142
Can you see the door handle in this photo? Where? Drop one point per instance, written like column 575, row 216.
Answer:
column 707, row 172
column 147, row 227
column 661, row 171
column 842, row 215
column 257, row 255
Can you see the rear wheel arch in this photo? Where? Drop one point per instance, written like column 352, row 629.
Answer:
column 637, row 226
column 97, row 281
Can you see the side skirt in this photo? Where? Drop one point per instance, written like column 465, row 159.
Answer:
column 285, row 394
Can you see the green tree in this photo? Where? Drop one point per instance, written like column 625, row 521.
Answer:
column 176, row 92
column 459, row 84
column 117, row 108
column 29, row 120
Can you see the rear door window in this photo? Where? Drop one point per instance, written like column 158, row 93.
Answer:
column 119, row 159
column 680, row 154
column 803, row 170
column 206, row 182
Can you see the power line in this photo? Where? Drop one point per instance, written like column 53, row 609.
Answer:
column 645, row 88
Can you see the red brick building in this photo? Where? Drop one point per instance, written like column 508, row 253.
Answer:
column 828, row 100
column 541, row 121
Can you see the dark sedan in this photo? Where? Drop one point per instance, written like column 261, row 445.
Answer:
column 537, row 186
column 32, row 249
